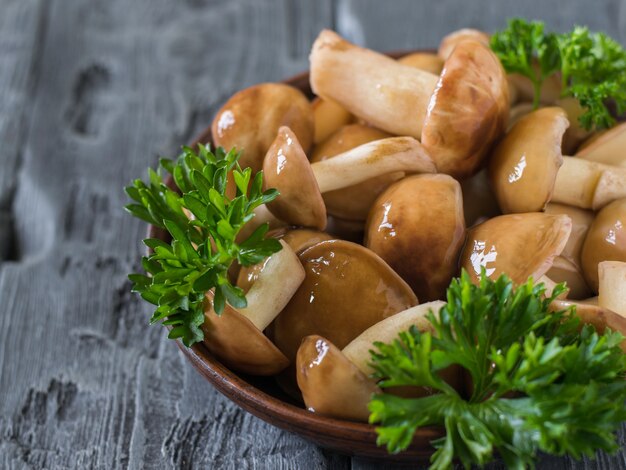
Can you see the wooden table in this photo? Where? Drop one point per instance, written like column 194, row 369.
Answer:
column 91, row 92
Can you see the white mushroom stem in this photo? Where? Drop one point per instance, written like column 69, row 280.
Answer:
column 612, row 291
column 374, row 87
column 370, row 160
column 387, row 330
column 279, row 279
column 586, row 184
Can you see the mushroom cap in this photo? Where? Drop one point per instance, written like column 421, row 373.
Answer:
column 347, row 288
column 298, row 239
column 563, row 270
column 257, row 355
column 575, row 133
column 605, row 241
column 328, row 116
column 353, row 202
column 424, row 61
column 287, row 169
column 525, row 163
column 251, row 117
column 607, row 147
column 581, row 221
column 417, row 226
column 518, row 245
column 449, row 42
column 478, row 198
column 468, row 109
column 330, row 384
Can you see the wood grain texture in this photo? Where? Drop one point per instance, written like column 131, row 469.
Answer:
column 90, row 94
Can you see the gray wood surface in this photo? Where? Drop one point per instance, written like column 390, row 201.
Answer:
column 91, row 92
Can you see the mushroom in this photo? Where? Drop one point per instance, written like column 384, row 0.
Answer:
column 605, row 241
column 353, row 202
column 328, row 117
column 426, row 61
column 550, row 88
column 300, row 184
column 567, row 266
column 518, row 245
column 479, row 201
column 607, row 147
column 417, row 226
column 518, row 112
column 575, row 133
column 330, row 384
column 347, row 288
column 298, row 239
column 456, row 116
column 527, row 169
column 350, row 230
column 612, row 286
column 449, row 42
column 599, row 317
column 250, row 119
column 256, row 355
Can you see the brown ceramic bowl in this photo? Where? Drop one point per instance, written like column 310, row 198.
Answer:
column 262, row 397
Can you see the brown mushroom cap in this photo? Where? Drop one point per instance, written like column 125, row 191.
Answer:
column 250, row 119
column 417, row 226
column 287, row 169
column 518, row 245
column 257, row 355
column 524, row 165
column 607, row 147
column 581, row 221
column 298, row 239
column 468, row 109
column 449, row 42
column 330, row 384
column 478, row 198
column 353, row 202
column 328, row 116
column 563, row 270
column 426, row 61
column 575, row 133
column 347, row 288
column 605, row 241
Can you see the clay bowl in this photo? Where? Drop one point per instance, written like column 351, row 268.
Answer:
column 262, row 397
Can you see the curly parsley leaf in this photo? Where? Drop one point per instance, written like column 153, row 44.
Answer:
column 540, row 384
column 204, row 224
column 592, row 66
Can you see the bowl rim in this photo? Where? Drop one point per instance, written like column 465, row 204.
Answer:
column 343, row 436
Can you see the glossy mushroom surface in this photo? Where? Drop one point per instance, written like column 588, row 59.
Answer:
column 518, row 245
column 347, row 288
column 450, row 41
column 330, row 384
column 417, row 226
column 353, row 202
column 525, row 163
column 250, row 119
column 605, row 241
column 256, row 355
column 287, row 168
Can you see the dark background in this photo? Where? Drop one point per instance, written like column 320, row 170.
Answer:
column 91, row 91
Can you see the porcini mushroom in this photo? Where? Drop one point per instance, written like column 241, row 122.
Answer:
column 266, row 298
column 607, row 147
column 450, row 41
column 605, row 240
column 417, row 226
column 456, row 115
column 426, row 61
column 479, row 202
column 612, row 286
column 527, row 169
column 353, row 202
column 250, row 119
column 300, row 183
column 518, row 245
column 347, row 288
column 328, row 117
column 330, row 384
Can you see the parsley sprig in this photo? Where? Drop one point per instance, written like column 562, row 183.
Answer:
column 539, row 382
column 203, row 223
column 592, row 66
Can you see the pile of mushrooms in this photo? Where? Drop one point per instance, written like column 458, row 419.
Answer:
column 398, row 174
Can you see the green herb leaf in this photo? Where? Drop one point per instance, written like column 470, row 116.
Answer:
column 204, row 246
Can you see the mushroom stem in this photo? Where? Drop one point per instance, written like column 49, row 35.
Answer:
column 387, row 94
column 589, row 185
column 370, row 160
column 279, row 279
column 612, row 291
